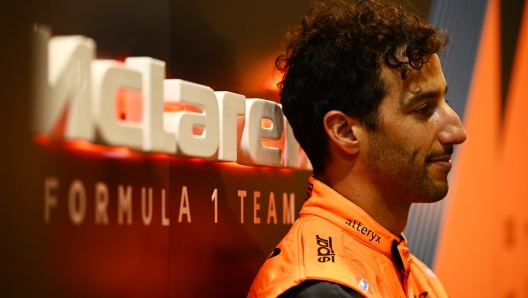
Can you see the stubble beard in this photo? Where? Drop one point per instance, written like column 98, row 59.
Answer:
column 401, row 172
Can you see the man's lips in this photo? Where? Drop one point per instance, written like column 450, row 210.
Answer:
column 443, row 162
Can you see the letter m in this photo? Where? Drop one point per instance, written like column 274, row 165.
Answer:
column 288, row 208
column 61, row 86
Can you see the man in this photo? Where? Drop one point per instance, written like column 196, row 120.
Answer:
column 364, row 93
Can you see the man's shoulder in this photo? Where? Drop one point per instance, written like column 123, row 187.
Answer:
column 313, row 249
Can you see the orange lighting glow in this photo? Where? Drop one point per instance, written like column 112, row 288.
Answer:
column 129, row 105
column 260, row 80
column 86, row 147
column 180, row 106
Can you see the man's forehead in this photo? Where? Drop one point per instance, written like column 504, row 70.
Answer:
column 427, row 79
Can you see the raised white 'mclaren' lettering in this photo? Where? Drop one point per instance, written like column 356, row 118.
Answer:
column 75, row 98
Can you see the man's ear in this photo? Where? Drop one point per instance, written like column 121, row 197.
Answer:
column 343, row 131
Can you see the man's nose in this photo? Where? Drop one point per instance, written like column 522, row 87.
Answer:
column 452, row 131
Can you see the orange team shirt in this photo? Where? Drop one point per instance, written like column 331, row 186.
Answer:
column 334, row 240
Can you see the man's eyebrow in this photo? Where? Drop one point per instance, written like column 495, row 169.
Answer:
column 422, row 96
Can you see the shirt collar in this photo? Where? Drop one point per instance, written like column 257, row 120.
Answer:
column 325, row 202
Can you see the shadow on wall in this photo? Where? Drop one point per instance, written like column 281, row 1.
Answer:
column 120, row 28
column 198, row 54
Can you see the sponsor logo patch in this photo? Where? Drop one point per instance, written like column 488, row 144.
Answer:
column 430, row 272
column 364, row 285
column 325, row 252
column 371, row 235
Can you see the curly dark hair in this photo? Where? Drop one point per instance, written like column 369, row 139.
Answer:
column 333, row 61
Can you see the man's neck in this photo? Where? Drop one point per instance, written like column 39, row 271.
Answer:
column 389, row 211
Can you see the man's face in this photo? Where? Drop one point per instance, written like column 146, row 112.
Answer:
column 409, row 156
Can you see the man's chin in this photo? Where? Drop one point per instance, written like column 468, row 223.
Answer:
column 437, row 192
column 432, row 191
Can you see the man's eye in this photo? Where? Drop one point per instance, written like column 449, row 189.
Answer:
column 424, row 110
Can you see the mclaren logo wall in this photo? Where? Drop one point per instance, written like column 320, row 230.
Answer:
column 155, row 187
